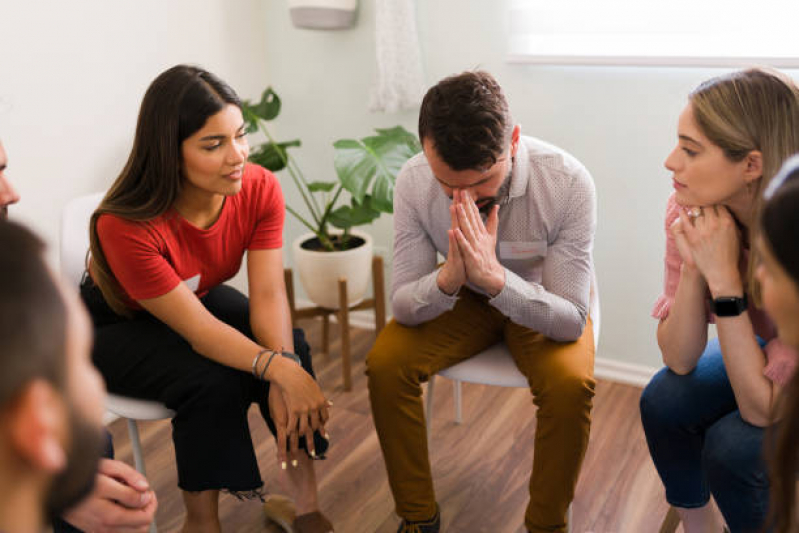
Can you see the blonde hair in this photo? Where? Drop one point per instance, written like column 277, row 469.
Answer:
column 747, row 110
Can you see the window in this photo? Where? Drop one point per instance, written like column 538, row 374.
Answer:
column 655, row 32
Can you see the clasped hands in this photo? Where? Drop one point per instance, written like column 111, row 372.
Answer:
column 708, row 241
column 298, row 408
column 472, row 248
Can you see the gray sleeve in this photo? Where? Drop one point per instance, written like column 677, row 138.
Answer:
column 558, row 307
column 415, row 296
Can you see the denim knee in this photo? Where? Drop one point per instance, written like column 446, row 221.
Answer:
column 661, row 400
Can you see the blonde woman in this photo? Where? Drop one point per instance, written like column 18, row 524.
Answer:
column 704, row 413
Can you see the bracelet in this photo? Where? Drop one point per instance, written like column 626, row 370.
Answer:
column 291, row 355
column 268, row 361
column 255, row 362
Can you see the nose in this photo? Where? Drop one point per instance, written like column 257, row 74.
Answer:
column 8, row 195
column 238, row 153
column 671, row 161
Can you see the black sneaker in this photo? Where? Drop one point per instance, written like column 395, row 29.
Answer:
column 431, row 525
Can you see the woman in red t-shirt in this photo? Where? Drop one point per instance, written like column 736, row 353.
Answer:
column 172, row 228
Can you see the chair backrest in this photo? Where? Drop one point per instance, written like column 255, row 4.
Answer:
column 75, row 235
column 593, row 309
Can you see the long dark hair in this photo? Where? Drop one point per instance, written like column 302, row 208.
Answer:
column 177, row 104
column 780, row 229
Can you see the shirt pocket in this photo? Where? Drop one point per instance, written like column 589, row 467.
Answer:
column 524, row 258
column 522, row 250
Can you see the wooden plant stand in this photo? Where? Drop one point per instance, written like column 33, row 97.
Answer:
column 377, row 302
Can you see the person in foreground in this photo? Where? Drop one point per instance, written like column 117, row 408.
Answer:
column 778, row 274
column 515, row 219
column 51, row 396
column 170, row 231
column 704, row 414
column 121, row 499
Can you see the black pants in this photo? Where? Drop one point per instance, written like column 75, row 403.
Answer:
column 143, row 358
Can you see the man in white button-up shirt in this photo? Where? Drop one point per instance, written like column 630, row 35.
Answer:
column 515, row 219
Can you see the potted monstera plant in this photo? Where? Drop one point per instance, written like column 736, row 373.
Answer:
column 366, row 170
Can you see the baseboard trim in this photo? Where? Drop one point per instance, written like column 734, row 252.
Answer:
column 604, row 368
column 620, row 372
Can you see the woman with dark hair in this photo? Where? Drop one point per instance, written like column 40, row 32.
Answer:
column 171, row 230
column 778, row 274
column 703, row 415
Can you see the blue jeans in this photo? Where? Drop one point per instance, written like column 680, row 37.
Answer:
column 701, row 446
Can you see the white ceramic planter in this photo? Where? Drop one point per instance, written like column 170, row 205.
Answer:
column 320, row 271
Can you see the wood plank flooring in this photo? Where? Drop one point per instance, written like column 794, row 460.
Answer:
column 481, row 468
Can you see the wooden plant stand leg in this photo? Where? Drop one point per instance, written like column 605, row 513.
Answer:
column 326, row 335
column 344, row 323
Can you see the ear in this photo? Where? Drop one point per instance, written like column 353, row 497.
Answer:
column 37, row 427
column 754, row 166
column 514, row 139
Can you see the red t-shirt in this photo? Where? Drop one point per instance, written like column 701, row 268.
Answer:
column 150, row 258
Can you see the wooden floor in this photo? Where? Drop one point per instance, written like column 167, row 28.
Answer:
column 481, row 468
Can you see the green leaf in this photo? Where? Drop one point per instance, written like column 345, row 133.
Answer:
column 356, row 214
column 272, row 156
column 374, row 162
column 268, row 107
column 316, row 186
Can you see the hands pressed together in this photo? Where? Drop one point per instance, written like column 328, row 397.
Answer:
column 472, row 248
column 709, row 243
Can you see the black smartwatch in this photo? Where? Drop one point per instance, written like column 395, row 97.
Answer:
column 728, row 305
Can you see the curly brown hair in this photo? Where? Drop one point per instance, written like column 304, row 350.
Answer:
column 467, row 120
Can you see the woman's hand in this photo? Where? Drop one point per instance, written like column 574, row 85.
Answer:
column 305, row 406
column 714, row 244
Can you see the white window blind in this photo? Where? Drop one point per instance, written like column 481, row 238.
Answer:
column 655, row 32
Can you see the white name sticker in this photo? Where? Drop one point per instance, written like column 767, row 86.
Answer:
column 193, row 283
column 522, row 249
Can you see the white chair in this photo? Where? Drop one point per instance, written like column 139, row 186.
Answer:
column 495, row 366
column 74, row 247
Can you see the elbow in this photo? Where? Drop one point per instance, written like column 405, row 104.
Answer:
column 756, row 416
column 402, row 315
column 571, row 333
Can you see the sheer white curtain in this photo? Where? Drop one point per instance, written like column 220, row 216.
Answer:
column 399, row 84
column 707, row 32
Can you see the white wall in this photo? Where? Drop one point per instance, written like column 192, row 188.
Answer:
column 73, row 73
column 620, row 122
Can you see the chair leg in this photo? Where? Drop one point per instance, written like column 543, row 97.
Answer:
column 138, row 457
column 671, row 521
column 431, row 383
column 457, row 392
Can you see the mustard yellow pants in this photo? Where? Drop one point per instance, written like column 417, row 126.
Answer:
column 560, row 375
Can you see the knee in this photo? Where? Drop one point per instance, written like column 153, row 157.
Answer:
column 386, row 362
column 568, row 395
column 215, row 385
column 661, row 399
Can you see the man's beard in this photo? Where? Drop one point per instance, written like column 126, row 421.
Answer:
column 76, row 481
column 487, row 203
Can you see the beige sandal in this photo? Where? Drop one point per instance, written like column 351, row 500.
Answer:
column 312, row 523
column 280, row 511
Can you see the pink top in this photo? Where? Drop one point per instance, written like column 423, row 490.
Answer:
column 781, row 360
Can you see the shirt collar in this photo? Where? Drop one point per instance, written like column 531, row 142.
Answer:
column 519, row 173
